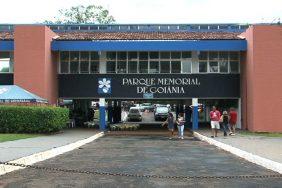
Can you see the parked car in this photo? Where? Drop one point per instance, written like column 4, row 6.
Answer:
column 134, row 114
column 161, row 113
column 147, row 106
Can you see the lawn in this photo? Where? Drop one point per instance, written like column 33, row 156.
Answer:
column 10, row 137
column 247, row 133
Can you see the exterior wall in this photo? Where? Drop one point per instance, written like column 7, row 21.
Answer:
column 35, row 69
column 262, row 76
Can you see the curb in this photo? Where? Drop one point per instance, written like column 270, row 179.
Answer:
column 266, row 163
column 41, row 156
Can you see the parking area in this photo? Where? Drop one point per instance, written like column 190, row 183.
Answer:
column 153, row 155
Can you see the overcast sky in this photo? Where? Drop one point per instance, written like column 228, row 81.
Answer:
column 150, row 11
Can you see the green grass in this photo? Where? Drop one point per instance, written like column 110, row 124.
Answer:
column 247, row 133
column 11, row 137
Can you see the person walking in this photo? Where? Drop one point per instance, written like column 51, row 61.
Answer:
column 180, row 126
column 170, row 124
column 214, row 117
column 232, row 121
column 224, row 120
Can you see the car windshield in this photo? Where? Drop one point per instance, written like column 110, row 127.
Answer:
column 134, row 111
column 162, row 110
column 146, row 104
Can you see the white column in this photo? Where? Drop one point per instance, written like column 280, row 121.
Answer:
column 239, row 119
column 102, row 65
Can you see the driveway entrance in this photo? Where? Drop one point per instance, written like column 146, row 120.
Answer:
column 143, row 155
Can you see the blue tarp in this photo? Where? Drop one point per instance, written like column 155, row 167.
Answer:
column 13, row 93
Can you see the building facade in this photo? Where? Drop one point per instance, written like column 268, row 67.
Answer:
column 226, row 65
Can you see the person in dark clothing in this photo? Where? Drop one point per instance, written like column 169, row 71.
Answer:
column 188, row 115
column 224, row 120
column 90, row 114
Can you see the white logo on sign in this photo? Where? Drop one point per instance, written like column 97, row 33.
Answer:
column 105, row 85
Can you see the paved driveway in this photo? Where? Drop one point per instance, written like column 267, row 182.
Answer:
column 143, row 155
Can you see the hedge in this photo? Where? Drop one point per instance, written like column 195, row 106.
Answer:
column 32, row 119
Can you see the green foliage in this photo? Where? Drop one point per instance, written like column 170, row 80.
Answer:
column 32, row 119
column 10, row 137
column 83, row 14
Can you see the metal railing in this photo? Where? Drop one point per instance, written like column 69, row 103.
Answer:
column 139, row 27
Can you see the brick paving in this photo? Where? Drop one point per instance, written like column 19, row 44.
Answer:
column 143, row 155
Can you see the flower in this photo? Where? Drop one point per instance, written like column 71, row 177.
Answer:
column 105, row 85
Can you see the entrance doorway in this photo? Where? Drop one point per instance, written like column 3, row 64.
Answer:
column 149, row 112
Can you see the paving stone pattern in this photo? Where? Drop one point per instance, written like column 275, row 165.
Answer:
column 143, row 155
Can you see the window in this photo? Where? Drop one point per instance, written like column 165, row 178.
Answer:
column 84, row 62
column 186, row 55
column 195, row 67
column 143, row 55
column 203, row 55
column 175, row 66
column 64, row 58
column 111, row 66
column 132, row 67
column 74, row 62
column 111, row 55
column 132, row 55
column 234, row 56
column 94, row 67
column 165, row 55
column 213, row 56
column 186, row 66
column 143, row 66
column 154, row 67
column 121, row 67
column 165, row 66
column 64, row 67
column 213, row 65
column 175, row 55
column 203, row 66
column 121, row 56
column 95, row 56
column 94, row 62
column 4, row 62
column 223, row 66
column 234, row 66
column 223, row 56
column 154, row 55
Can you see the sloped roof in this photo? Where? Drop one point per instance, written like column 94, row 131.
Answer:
column 13, row 93
column 148, row 36
column 138, row 36
column 6, row 36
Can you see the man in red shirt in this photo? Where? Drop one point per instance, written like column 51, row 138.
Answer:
column 214, row 117
column 232, row 121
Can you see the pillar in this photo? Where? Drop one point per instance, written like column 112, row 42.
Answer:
column 195, row 122
column 102, row 115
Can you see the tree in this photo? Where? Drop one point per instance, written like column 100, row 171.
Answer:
column 81, row 14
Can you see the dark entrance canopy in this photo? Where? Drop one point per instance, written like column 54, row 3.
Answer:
column 16, row 94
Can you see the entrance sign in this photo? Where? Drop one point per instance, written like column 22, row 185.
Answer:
column 160, row 85
column 134, row 86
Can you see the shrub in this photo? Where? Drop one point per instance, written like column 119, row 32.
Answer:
column 32, row 119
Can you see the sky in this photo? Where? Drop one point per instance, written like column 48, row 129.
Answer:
column 150, row 11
